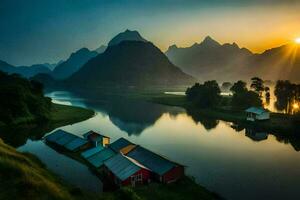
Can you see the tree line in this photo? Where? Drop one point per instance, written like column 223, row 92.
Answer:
column 22, row 98
column 208, row 94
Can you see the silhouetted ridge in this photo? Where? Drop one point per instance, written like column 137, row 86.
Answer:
column 126, row 36
column 73, row 63
column 130, row 63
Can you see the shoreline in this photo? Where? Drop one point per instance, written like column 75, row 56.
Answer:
column 277, row 123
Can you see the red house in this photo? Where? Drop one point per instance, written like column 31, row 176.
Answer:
column 162, row 169
column 126, row 171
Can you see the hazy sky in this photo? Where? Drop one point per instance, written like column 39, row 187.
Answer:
column 37, row 31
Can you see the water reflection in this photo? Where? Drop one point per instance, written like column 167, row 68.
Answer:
column 224, row 157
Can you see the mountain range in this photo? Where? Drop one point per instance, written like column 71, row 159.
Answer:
column 73, row 63
column 228, row 62
column 129, row 63
column 25, row 71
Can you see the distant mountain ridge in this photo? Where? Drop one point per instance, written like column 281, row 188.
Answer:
column 129, row 63
column 25, row 71
column 228, row 62
column 127, row 35
column 73, row 63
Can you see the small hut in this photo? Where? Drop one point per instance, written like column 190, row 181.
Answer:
column 257, row 114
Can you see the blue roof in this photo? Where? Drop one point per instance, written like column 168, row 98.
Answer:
column 65, row 139
column 98, row 159
column 92, row 151
column 119, row 144
column 154, row 162
column 76, row 143
column 122, row 167
column 256, row 110
column 56, row 135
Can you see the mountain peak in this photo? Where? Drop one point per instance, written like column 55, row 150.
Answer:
column 208, row 41
column 125, row 36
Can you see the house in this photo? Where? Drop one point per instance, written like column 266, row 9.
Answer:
column 97, row 139
column 92, row 151
column 120, row 144
column 256, row 135
column 67, row 140
column 98, row 158
column 126, row 171
column 255, row 113
column 163, row 170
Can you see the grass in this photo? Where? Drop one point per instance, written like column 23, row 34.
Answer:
column 62, row 114
column 185, row 189
column 24, row 177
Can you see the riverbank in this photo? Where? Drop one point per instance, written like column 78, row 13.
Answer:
column 16, row 134
column 278, row 122
column 23, row 176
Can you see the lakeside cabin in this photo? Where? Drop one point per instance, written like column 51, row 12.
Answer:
column 124, row 162
column 257, row 114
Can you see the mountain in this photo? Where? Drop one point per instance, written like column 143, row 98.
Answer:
column 25, row 71
column 51, row 66
column 228, row 62
column 130, row 63
column 278, row 63
column 126, row 36
column 210, row 60
column 73, row 63
column 101, row 49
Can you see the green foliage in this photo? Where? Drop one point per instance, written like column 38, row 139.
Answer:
column 239, row 87
column 21, row 99
column 204, row 95
column 242, row 98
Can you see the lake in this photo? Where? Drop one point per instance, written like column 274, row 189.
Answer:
column 228, row 159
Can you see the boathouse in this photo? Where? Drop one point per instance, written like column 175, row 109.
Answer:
column 67, row 140
column 120, row 144
column 126, row 171
column 98, row 158
column 97, row 139
column 163, row 169
column 255, row 113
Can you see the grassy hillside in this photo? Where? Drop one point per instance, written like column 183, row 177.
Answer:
column 24, row 177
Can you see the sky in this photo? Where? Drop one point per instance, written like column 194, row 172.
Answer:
column 39, row 31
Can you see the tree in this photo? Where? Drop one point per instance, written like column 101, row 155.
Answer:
column 257, row 85
column 239, row 87
column 286, row 93
column 267, row 94
column 204, row 95
column 226, row 86
column 242, row 98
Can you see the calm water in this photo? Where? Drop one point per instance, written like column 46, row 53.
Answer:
column 236, row 163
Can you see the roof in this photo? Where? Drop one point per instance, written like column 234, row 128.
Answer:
column 256, row 110
column 65, row 139
column 92, row 151
column 52, row 137
column 153, row 161
column 127, row 149
column 76, row 143
column 98, row 159
column 119, row 144
column 122, row 166
column 94, row 133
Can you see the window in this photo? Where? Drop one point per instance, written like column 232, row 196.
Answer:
column 140, row 177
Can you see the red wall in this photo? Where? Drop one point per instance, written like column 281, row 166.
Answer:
column 174, row 174
column 146, row 177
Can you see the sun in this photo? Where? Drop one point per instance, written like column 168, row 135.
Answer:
column 297, row 40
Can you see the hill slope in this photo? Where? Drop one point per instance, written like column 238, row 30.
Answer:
column 73, row 63
column 130, row 63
